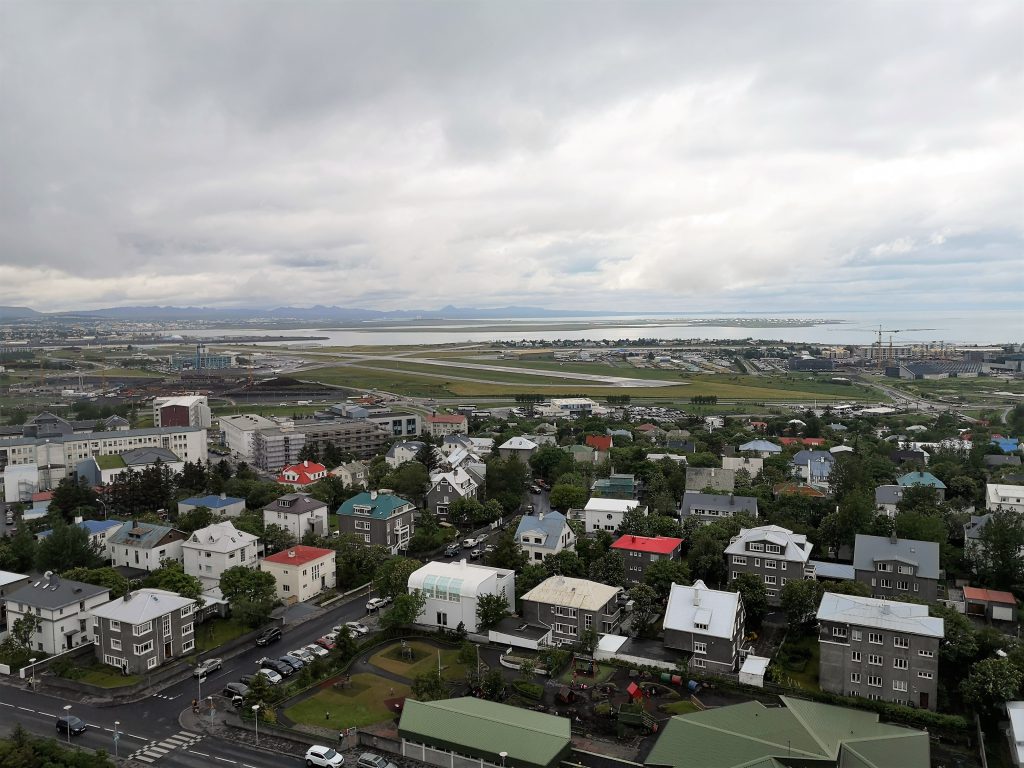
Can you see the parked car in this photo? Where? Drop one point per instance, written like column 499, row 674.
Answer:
column 203, row 668
column 316, row 650
column 535, row 490
column 307, row 656
column 69, row 724
column 475, row 554
column 293, row 661
column 370, row 760
column 481, row 538
column 376, row 603
column 268, row 636
column 273, row 677
column 468, row 543
column 246, row 680
column 235, row 689
column 326, row 642
column 326, row 757
column 488, row 549
column 283, row 669
column 356, row 629
column 452, row 550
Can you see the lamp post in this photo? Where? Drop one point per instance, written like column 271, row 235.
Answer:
column 33, row 683
column 67, row 713
column 200, row 680
column 212, row 708
column 117, row 736
column 256, row 717
column 503, row 755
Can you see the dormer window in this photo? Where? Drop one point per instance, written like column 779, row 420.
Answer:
column 698, row 625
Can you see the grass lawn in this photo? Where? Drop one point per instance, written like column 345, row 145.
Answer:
column 361, row 704
column 807, row 678
column 604, row 674
column 683, row 707
column 424, row 660
column 215, row 632
column 107, row 677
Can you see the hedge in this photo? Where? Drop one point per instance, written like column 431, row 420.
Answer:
column 533, row 691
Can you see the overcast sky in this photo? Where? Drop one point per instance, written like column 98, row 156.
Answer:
column 674, row 155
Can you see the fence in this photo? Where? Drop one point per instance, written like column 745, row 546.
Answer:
column 440, row 757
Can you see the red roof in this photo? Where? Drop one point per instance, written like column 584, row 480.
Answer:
column 759, row 424
column 661, row 545
column 446, row 418
column 298, row 555
column 989, row 595
column 305, row 473
column 798, row 490
column 599, row 442
column 802, row 440
column 43, row 496
column 646, row 427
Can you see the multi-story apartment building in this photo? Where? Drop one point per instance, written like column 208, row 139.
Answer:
column 361, row 438
column 708, row 507
column 301, row 572
column 379, row 518
column 210, row 551
column 447, row 487
column 144, row 545
column 441, row 424
column 453, row 590
column 570, row 607
column 240, row 433
column 638, row 552
column 1000, row 496
column 774, row 554
column 892, row 566
column 395, row 424
column 64, row 609
column 544, row 534
column 276, row 447
column 185, row 411
column 297, row 513
column 601, row 514
column 144, row 629
column 879, row 649
column 707, row 623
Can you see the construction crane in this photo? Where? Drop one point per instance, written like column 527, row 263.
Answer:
column 880, row 330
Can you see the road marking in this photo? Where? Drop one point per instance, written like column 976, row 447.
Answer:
column 7, row 705
column 157, row 751
column 189, row 733
column 26, row 709
column 201, row 754
column 224, row 759
column 144, row 759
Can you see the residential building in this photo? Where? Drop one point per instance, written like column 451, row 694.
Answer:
column 813, row 467
column 97, row 530
column 773, row 554
column 144, row 629
column 582, row 454
column 570, row 607
column 302, row 475
column 879, row 649
column 798, row 733
column 240, row 432
column 601, row 444
column 399, row 453
column 751, row 465
column 926, row 479
column 103, row 470
column 355, row 474
column 453, row 590
column 360, row 437
column 1015, row 731
column 222, row 505
column 64, row 609
column 638, row 552
column 9, row 582
column 186, row 411
column 144, row 545
column 301, row 572
column 543, row 534
column 892, row 566
column 990, row 605
column 519, row 448
column 603, row 514
column 616, row 486
column 382, row 519
column 708, row 507
column 469, row 731
column 999, row 496
column 707, row 623
column 448, row 487
column 441, row 424
column 975, row 549
column 887, row 499
column 297, row 513
column 702, row 478
column 673, row 457
column 575, row 406
column 210, row 551
column 277, row 447
column 992, row 461
column 395, row 424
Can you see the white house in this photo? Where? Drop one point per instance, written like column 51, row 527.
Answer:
column 301, row 572
column 399, row 453
column 751, row 465
column 998, row 496
column 355, row 473
column 603, row 514
column 210, row 551
column 544, row 534
column 298, row 513
column 707, row 623
column 239, row 432
column 301, row 475
column 64, row 609
column 144, row 545
column 518, row 447
column 454, row 589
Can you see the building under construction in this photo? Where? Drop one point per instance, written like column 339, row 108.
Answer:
column 201, row 360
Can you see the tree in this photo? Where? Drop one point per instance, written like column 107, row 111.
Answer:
column 707, row 562
column 800, row 600
column 507, row 552
column 194, row 519
column 991, row 683
column 101, row 577
column 404, row 610
column 70, row 495
column 506, row 482
column 427, row 456
column 392, row 577
column 377, row 471
column 551, row 461
column 18, row 554
column 610, row 570
column 23, row 630
column 276, row 537
column 332, row 491
column 308, row 452
column 493, row 684
column 960, row 645
column 172, row 577
column 430, row 686
column 410, row 481
column 193, row 477
column 490, row 610
column 754, row 594
column 662, row 574
column 645, row 609
column 564, row 497
column 67, row 546
column 996, row 555
column 251, row 593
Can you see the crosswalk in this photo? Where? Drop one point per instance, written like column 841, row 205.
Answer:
column 157, row 749
column 163, row 696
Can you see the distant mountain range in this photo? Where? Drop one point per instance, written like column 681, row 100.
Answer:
column 317, row 313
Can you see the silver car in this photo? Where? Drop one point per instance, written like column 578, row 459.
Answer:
column 370, row 760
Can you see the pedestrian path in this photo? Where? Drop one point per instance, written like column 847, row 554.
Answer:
column 157, row 749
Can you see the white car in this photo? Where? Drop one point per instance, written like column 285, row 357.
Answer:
column 316, row 650
column 303, row 655
column 356, row 629
column 323, row 756
column 376, row 603
column 272, row 677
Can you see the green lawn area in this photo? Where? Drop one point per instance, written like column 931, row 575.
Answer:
column 424, row 660
column 682, row 707
column 807, row 677
column 107, row 677
column 215, row 632
column 361, row 704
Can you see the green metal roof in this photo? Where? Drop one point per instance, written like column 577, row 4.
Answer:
column 749, row 734
column 485, row 728
column 381, row 505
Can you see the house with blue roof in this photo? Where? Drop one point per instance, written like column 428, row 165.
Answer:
column 814, row 467
column 1007, row 444
column 98, row 530
column 765, row 448
column 926, row 479
column 381, row 519
column 544, row 534
column 143, row 545
column 222, row 506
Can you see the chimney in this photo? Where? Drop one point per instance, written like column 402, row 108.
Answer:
column 291, row 553
column 696, row 596
column 78, row 519
column 223, row 495
column 540, row 515
column 892, row 537
column 732, row 499
column 373, row 495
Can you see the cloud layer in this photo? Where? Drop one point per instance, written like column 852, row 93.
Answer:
column 671, row 156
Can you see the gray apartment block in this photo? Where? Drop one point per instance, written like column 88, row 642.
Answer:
column 570, row 607
column 892, row 566
column 145, row 629
column 709, row 507
column 774, row 554
column 364, row 439
column 879, row 649
column 275, row 448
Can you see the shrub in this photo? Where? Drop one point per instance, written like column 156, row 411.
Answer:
column 533, row 691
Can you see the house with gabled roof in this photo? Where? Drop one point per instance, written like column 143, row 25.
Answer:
column 518, row 447
column 144, row 545
column 699, row 478
column 926, row 479
column 302, row 475
column 381, row 519
column 707, row 623
column 892, row 566
column 764, row 448
column 543, row 534
column 572, row 607
column 210, row 551
column 638, row 552
column 813, row 467
column 301, row 572
column 221, row 505
column 64, row 609
column 144, row 629
column 448, row 487
column 775, row 555
column 708, row 507
column 297, row 513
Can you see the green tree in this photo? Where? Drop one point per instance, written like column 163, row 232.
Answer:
column 276, row 538
column 251, row 593
column 309, row 452
column 755, row 596
column 18, row 554
column 392, row 577
column 990, row 684
column 996, row 555
column 960, row 646
column 404, row 611
column 645, row 609
column 507, row 552
column 430, row 686
column 332, row 491
column 564, row 497
column 551, row 461
column 67, row 546
column 194, row 519
column 490, row 610
column 377, row 471
column 101, row 577
column 172, row 577
column 662, row 574
column 410, row 481
column 70, row 495
column 800, row 600
column 610, row 570
column 493, row 684
column 506, row 482
column 23, row 629
column 427, row 456
column 707, row 562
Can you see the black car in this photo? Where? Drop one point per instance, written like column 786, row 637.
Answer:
column 452, row 550
column 70, row 724
column 235, row 689
column 268, row 636
column 284, row 670
column 293, row 661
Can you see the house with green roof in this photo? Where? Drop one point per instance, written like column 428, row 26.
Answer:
column 440, row 732
column 927, row 479
column 616, row 487
column 797, row 734
column 381, row 519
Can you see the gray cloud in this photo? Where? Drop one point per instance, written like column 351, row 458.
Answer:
column 629, row 155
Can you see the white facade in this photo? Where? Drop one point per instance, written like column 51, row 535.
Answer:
column 144, row 546
column 210, row 551
column 454, row 589
column 603, row 514
column 1010, row 497
column 20, row 482
column 239, row 430
column 301, row 572
column 300, row 517
column 65, row 616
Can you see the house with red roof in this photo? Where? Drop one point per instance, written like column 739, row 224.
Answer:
column 301, row 572
column 600, row 443
column 639, row 552
column 990, row 604
column 441, row 424
column 299, row 476
column 809, row 441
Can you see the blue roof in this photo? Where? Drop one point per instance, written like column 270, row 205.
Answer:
column 211, row 502
column 1007, row 444
column 921, row 478
column 552, row 524
column 91, row 527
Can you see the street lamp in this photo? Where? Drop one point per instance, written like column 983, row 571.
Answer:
column 503, row 755
column 256, row 718
column 200, row 680
column 117, row 736
column 33, row 683
column 210, row 699
column 67, row 713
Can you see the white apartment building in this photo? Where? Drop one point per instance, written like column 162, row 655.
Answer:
column 298, row 513
column 64, row 609
column 144, row 545
column 239, row 431
column 210, row 551
column 998, row 496
column 602, row 514
column 454, row 589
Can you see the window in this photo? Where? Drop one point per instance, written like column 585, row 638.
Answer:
column 883, row 567
column 875, row 637
column 904, row 585
column 855, row 656
column 735, row 575
column 916, row 587
column 899, row 685
column 925, row 675
column 114, row 661
column 115, row 644
column 151, row 662
column 566, row 629
column 855, row 677
column 739, row 560
column 143, row 648
column 886, row 584
column 569, row 613
column 700, row 647
column 115, row 626
column 757, row 562
column 874, row 659
column 756, row 547
column 771, row 592
column 771, row 564
column 874, row 681
column 839, row 632
column 855, row 635
column 188, row 645
column 926, row 654
column 770, row 578
column 783, row 581
column 900, row 642
column 187, row 610
column 186, row 629
column 899, row 664
column 699, row 663
column 142, row 629
column 906, row 569
column 774, row 549
column 588, row 620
